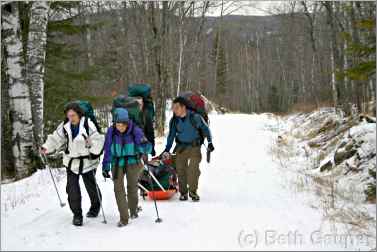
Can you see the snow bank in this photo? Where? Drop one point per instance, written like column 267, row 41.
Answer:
column 335, row 157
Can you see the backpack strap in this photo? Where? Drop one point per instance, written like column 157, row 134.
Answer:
column 66, row 151
column 95, row 122
column 86, row 125
column 198, row 129
column 173, row 122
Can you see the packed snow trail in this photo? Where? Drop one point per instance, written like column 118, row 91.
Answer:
column 243, row 205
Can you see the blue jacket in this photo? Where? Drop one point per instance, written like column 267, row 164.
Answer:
column 183, row 130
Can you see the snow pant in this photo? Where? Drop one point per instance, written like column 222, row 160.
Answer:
column 187, row 163
column 131, row 199
column 74, row 192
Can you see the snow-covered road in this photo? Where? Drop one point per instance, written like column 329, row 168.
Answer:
column 243, row 206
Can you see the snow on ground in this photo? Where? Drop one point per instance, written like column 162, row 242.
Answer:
column 244, row 205
column 328, row 157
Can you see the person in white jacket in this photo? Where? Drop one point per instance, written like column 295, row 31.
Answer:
column 83, row 147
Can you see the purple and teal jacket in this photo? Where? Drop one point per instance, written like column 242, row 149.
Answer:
column 124, row 149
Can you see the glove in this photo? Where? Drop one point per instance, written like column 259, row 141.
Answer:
column 43, row 151
column 106, row 174
column 210, row 147
column 165, row 155
column 144, row 158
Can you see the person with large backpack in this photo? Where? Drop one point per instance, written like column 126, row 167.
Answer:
column 143, row 92
column 83, row 147
column 125, row 148
column 189, row 129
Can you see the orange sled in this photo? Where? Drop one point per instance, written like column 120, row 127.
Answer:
column 161, row 195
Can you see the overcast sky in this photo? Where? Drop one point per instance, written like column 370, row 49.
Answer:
column 251, row 8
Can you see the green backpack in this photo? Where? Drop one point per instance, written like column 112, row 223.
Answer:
column 144, row 91
column 89, row 113
column 133, row 107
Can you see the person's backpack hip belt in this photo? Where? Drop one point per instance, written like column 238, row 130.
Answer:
column 81, row 159
column 181, row 146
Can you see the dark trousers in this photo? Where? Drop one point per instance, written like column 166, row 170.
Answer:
column 74, row 192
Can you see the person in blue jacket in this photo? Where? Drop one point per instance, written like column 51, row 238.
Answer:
column 188, row 129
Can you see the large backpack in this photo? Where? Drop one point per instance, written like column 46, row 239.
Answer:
column 148, row 112
column 89, row 113
column 196, row 103
column 133, row 107
column 144, row 91
column 88, row 110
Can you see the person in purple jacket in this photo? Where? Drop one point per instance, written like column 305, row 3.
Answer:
column 125, row 148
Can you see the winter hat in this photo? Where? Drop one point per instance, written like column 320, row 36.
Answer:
column 121, row 115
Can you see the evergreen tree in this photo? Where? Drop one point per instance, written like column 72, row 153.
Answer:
column 365, row 51
column 66, row 77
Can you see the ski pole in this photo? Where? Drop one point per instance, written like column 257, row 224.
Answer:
column 155, row 179
column 95, row 181
column 158, row 220
column 142, row 187
column 44, row 161
column 99, row 197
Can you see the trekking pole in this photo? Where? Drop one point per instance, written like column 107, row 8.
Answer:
column 44, row 161
column 95, row 181
column 157, row 182
column 142, row 187
column 100, row 198
column 158, row 220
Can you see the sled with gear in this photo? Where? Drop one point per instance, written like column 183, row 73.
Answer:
column 159, row 179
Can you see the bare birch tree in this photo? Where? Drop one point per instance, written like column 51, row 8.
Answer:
column 35, row 65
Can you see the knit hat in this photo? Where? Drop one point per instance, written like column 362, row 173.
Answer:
column 121, row 115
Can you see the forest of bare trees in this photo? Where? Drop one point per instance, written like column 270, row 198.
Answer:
column 303, row 55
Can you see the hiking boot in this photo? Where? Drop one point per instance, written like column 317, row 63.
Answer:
column 77, row 220
column 139, row 209
column 134, row 216
column 92, row 214
column 194, row 196
column 183, row 197
column 143, row 194
column 122, row 224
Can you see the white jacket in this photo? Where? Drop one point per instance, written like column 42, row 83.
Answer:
column 77, row 147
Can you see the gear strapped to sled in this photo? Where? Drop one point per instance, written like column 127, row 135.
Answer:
column 167, row 182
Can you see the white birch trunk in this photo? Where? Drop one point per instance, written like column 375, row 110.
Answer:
column 88, row 40
column 180, row 57
column 333, row 80
column 19, row 96
column 35, row 66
